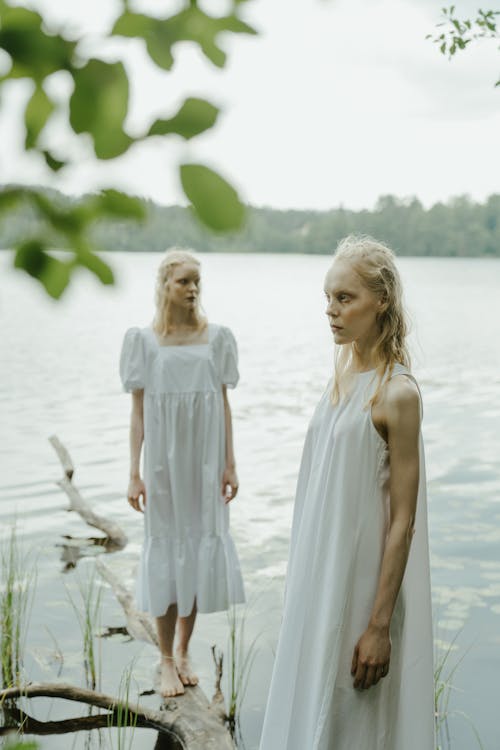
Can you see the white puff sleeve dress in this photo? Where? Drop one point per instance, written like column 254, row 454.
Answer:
column 188, row 551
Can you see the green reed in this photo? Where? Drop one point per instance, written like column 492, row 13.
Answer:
column 88, row 616
column 125, row 719
column 16, row 599
column 240, row 659
column 444, row 673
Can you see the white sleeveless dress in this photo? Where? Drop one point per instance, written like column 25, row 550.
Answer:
column 188, row 551
column 340, row 521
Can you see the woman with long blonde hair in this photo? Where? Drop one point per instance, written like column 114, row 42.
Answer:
column 354, row 662
column 178, row 371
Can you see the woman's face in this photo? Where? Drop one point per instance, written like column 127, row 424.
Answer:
column 184, row 285
column 351, row 308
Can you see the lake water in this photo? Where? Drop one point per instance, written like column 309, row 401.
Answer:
column 59, row 375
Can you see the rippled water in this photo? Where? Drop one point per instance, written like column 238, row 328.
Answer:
column 59, row 375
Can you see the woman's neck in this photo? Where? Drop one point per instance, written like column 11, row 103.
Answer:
column 179, row 320
column 362, row 358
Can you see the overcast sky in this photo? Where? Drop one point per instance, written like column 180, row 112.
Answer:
column 336, row 102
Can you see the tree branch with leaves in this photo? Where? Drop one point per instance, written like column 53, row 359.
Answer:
column 457, row 33
column 96, row 106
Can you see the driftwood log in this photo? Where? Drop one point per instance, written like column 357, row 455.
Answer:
column 188, row 733
column 114, row 533
column 144, row 717
column 139, row 625
column 192, row 709
column 190, row 719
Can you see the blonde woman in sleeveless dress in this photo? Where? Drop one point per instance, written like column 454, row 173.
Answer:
column 354, row 661
column 178, row 371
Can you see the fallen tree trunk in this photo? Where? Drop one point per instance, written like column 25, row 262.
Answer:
column 194, row 701
column 137, row 716
column 139, row 625
column 112, row 530
column 188, row 718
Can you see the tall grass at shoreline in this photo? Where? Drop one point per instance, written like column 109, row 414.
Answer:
column 88, row 616
column 240, row 663
column 126, row 720
column 16, row 599
column 444, row 672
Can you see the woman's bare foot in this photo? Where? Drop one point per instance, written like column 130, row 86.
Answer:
column 170, row 684
column 184, row 668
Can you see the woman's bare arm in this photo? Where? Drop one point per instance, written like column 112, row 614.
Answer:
column 402, row 421
column 136, row 488
column 229, row 478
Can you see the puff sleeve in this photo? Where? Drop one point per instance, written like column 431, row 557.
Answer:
column 229, row 359
column 132, row 363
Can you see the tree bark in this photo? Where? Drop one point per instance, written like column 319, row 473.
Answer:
column 139, row 625
column 114, row 533
column 188, row 717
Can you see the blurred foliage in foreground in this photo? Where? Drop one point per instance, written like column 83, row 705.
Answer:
column 94, row 107
column 457, row 228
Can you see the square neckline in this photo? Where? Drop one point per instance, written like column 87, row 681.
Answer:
column 181, row 346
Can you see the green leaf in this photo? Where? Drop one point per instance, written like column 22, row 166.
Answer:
column 94, row 263
column 154, row 32
column 215, row 201
column 195, row 26
column 115, row 203
column 194, row 117
column 8, row 197
column 236, row 25
column 99, row 106
column 35, row 53
column 190, row 25
column 52, row 162
column 32, row 257
column 159, row 49
column 69, row 221
column 132, row 25
column 38, row 111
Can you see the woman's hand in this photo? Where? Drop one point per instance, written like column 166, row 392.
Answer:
column 229, row 484
column 136, row 490
column 370, row 661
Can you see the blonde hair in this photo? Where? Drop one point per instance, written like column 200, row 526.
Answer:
column 172, row 258
column 375, row 265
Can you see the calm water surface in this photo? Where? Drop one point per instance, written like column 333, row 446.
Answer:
column 59, row 375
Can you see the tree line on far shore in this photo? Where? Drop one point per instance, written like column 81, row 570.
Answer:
column 460, row 227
